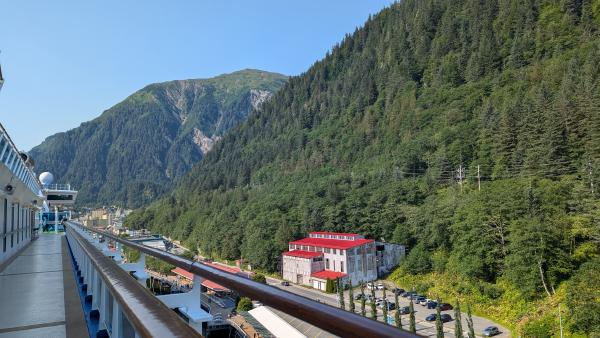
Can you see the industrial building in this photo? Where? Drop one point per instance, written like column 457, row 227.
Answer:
column 325, row 255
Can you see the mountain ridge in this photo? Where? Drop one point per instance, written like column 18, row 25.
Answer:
column 164, row 128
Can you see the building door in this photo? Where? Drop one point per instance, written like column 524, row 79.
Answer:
column 299, row 279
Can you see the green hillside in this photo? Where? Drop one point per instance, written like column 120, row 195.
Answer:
column 391, row 134
column 134, row 151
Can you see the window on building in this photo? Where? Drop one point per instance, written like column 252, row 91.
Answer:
column 342, row 252
column 327, row 263
column 327, row 250
column 341, row 266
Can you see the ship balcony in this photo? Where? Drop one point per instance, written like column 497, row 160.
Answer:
column 118, row 303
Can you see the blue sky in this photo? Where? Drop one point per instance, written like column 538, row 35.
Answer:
column 67, row 61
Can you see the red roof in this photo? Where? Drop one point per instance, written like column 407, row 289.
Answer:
column 183, row 273
column 223, row 267
column 207, row 283
column 213, row 286
column 328, row 274
column 333, row 233
column 332, row 243
column 303, row 254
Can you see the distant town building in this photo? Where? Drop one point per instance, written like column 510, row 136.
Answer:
column 324, row 255
column 388, row 256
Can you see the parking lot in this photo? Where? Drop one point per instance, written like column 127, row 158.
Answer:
column 424, row 327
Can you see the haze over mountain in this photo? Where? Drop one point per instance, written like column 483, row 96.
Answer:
column 135, row 150
column 390, row 135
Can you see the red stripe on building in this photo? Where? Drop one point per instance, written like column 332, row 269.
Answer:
column 302, row 254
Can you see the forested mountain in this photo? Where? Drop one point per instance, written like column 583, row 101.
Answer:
column 135, row 150
column 468, row 130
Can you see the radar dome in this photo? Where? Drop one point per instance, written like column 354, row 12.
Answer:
column 46, row 178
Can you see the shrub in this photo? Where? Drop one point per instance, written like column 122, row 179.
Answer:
column 259, row 278
column 245, row 304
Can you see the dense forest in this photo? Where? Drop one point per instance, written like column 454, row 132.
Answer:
column 134, row 151
column 467, row 130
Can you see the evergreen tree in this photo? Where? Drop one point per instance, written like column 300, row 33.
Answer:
column 458, row 330
column 470, row 326
column 329, row 286
column 397, row 315
column 340, row 288
column 439, row 326
column 412, row 322
column 363, row 300
column 351, row 297
column 373, row 305
column 385, row 307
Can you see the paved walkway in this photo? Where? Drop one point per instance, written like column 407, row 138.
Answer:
column 38, row 297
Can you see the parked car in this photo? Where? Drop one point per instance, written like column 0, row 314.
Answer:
column 404, row 310
column 398, row 291
column 431, row 304
column 371, row 286
column 444, row 317
column 445, row 307
column 285, row 283
column 420, row 300
column 406, row 294
column 380, row 286
column 417, row 296
column 424, row 302
column 490, row 331
column 359, row 296
column 390, row 305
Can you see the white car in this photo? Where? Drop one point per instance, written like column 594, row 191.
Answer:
column 371, row 286
column 380, row 286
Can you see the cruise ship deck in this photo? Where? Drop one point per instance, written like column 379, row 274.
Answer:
column 38, row 292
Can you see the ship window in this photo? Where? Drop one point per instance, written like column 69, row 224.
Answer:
column 60, row 197
column 5, row 221
column 12, row 225
column 18, row 222
column 5, row 157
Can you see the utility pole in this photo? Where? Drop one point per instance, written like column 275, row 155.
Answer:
column 591, row 177
column 560, row 321
column 460, row 176
column 478, row 179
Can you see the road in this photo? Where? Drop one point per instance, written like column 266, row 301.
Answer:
column 424, row 328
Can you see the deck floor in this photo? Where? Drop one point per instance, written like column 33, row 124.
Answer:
column 38, row 297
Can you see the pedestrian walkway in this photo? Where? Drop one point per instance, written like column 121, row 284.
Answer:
column 38, row 297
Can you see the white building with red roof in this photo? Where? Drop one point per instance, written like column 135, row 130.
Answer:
column 324, row 255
